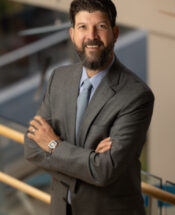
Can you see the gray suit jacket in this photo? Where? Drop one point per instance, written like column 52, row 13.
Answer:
column 100, row 184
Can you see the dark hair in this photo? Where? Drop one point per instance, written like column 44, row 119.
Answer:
column 106, row 6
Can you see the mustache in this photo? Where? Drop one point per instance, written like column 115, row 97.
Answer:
column 93, row 43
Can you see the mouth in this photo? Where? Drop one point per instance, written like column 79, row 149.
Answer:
column 94, row 44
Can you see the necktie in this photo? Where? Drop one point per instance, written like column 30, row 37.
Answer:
column 82, row 103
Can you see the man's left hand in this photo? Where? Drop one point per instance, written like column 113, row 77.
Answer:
column 41, row 132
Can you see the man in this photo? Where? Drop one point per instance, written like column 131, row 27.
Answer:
column 92, row 123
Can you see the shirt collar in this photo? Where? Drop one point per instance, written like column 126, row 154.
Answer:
column 96, row 79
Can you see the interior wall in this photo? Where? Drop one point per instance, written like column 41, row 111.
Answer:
column 161, row 148
column 153, row 15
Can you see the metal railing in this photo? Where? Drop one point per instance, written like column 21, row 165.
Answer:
column 34, row 47
column 32, row 191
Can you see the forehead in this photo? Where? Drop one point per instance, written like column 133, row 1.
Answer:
column 95, row 17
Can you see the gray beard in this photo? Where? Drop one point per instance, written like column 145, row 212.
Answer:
column 97, row 62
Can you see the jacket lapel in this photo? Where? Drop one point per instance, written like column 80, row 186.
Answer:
column 73, row 89
column 106, row 90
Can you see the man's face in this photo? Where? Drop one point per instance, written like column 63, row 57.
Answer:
column 93, row 38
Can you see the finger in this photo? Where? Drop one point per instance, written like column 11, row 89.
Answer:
column 104, row 149
column 31, row 136
column 103, row 144
column 106, row 139
column 35, row 124
column 40, row 120
column 107, row 144
column 31, row 129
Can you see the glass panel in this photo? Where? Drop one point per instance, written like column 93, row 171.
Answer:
column 20, row 97
column 26, row 62
column 152, row 205
column 12, row 201
column 170, row 187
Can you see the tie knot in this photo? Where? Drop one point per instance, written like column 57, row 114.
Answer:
column 87, row 84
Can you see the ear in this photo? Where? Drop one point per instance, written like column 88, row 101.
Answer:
column 71, row 33
column 116, row 32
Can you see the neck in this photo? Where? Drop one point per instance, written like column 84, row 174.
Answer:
column 91, row 72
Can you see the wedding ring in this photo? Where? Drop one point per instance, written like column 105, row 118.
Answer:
column 33, row 131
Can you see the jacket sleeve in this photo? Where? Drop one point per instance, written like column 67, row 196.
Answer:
column 128, row 134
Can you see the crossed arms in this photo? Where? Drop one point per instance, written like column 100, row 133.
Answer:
column 108, row 161
column 44, row 134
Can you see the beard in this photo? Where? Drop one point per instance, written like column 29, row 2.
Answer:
column 97, row 59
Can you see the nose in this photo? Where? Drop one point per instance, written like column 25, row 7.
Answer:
column 92, row 33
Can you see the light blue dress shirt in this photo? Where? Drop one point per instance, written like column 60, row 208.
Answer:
column 95, row 80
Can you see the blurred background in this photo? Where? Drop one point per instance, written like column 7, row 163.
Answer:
column 34, row 40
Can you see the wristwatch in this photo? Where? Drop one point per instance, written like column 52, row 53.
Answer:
column 53, row 144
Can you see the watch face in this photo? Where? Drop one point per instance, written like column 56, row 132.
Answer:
column 52, row 144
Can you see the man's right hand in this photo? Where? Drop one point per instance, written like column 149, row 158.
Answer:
column 104, row 145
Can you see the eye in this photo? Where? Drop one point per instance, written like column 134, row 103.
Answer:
column 102, row 26
column 82, row 27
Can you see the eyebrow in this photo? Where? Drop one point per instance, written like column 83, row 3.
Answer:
column 83, row 23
